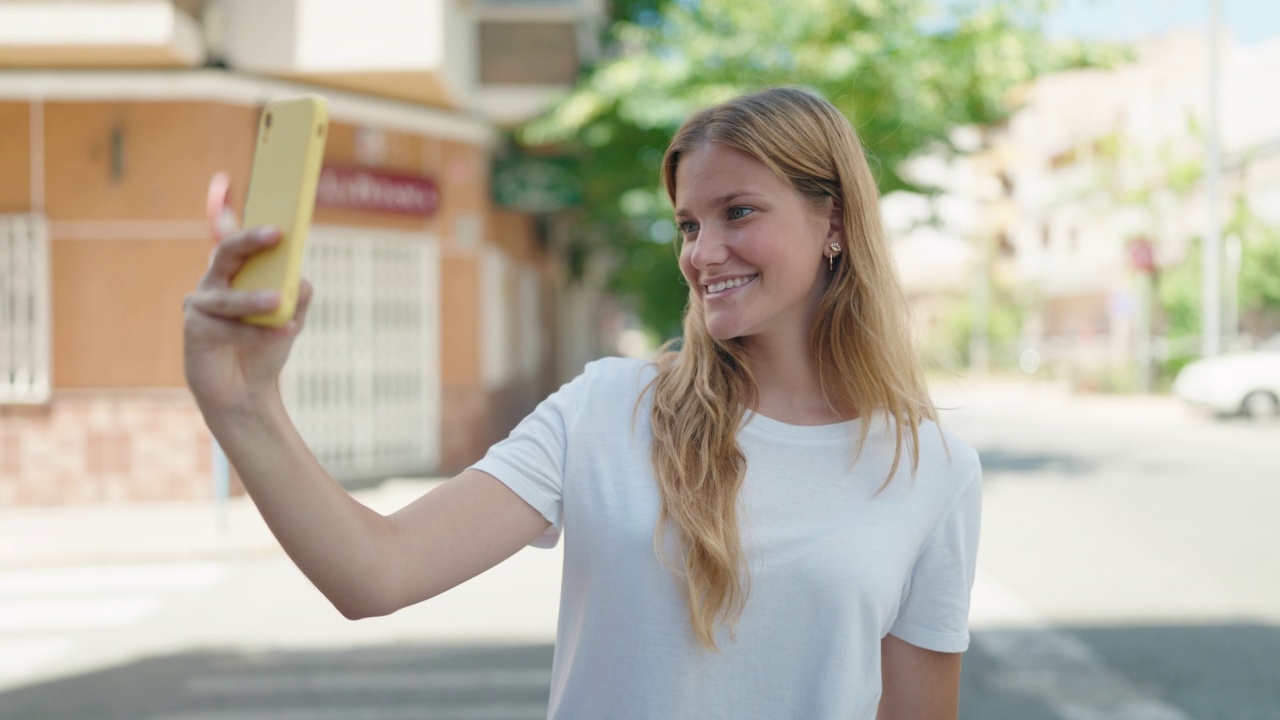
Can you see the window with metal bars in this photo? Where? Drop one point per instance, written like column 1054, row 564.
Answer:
column 363, row 380
column 24, row 310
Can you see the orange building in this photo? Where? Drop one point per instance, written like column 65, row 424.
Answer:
column 435, row 326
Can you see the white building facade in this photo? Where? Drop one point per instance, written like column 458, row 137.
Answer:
column 1060, row 205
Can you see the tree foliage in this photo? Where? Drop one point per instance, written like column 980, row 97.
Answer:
column 905, row 72
column 1258, row 282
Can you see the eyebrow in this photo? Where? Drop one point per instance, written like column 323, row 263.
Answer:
column 724, row 199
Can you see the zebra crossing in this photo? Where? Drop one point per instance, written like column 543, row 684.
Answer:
column 407, row 712
column 1037, row 660
column 369, row 689
column 108, row 643
column 49, row 615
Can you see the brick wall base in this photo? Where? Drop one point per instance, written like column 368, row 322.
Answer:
column 105, row 446
column 152, row 445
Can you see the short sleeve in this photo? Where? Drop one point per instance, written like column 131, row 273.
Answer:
column 934, row 613
column 531, row 460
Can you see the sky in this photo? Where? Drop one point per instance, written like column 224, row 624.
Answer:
column 1249, row 21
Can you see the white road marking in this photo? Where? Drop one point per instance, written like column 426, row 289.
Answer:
column 494, row 711
column 20, row 657
column 1054, row 667
column 46, row 612
column 345, row 682
column 91, row 613
column 109, row 578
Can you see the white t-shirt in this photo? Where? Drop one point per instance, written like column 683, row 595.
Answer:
column 833, row 565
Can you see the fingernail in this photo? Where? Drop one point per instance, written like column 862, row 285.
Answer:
column 267, row 233
column 266, row 297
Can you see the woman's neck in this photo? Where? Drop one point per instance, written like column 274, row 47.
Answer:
column 787, row 379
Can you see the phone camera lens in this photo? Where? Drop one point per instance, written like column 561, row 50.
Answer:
column 267, row 120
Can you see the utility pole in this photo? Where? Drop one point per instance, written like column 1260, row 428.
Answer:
column 1211, row 287
column 985, row 167
column 1234, row 253
column 980, row 302
column 1142, row 259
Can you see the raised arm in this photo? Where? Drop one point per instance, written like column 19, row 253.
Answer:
column 365, row 563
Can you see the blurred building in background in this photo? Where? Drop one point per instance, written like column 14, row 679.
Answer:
column 1106, row 171
column 442, row 315
column 1055, row 225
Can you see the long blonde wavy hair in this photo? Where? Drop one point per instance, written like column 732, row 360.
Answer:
column 705, row 390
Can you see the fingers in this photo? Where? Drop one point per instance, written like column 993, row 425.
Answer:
column 202, row 328
column 232, row 304
column 230, row 254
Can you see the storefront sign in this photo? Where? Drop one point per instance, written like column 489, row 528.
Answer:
column 535, row 185
column 376, row 191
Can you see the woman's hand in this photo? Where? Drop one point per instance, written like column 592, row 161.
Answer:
column 231, row 364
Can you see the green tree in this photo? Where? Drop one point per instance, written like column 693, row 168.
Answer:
column 905, row 72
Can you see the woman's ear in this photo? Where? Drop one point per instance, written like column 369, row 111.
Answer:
column 835, row 222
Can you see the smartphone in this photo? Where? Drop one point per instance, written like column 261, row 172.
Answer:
column 282, row 194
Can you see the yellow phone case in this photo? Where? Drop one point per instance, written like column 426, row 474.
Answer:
column 282, row 194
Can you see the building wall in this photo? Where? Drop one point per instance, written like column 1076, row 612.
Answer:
column 124, row 193
column 465, row 402
column 517, row 237
column 92, row 446
column 124, row 190
column 15, row 157
column 117, row 310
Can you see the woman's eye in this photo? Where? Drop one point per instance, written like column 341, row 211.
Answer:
column 687, row 228
column 738, row 213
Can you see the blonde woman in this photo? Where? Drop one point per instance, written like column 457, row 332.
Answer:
column 764, row 523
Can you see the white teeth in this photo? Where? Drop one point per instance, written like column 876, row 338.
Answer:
column 726, row 284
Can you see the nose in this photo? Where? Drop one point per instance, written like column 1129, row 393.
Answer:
column 709, row 249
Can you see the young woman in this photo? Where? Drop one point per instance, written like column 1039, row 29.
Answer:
column 764, row 523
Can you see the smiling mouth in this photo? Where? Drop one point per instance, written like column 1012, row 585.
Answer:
column 725, row 286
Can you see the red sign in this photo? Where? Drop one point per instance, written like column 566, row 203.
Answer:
column 372, row 190
column 1142, row 256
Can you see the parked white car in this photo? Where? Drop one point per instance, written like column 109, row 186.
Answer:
column 1246, row 383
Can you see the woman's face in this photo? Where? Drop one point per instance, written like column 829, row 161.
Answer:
column 752, row 246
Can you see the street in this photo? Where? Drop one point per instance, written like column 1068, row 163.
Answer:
column 1128, row 566
column 1128, row 570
